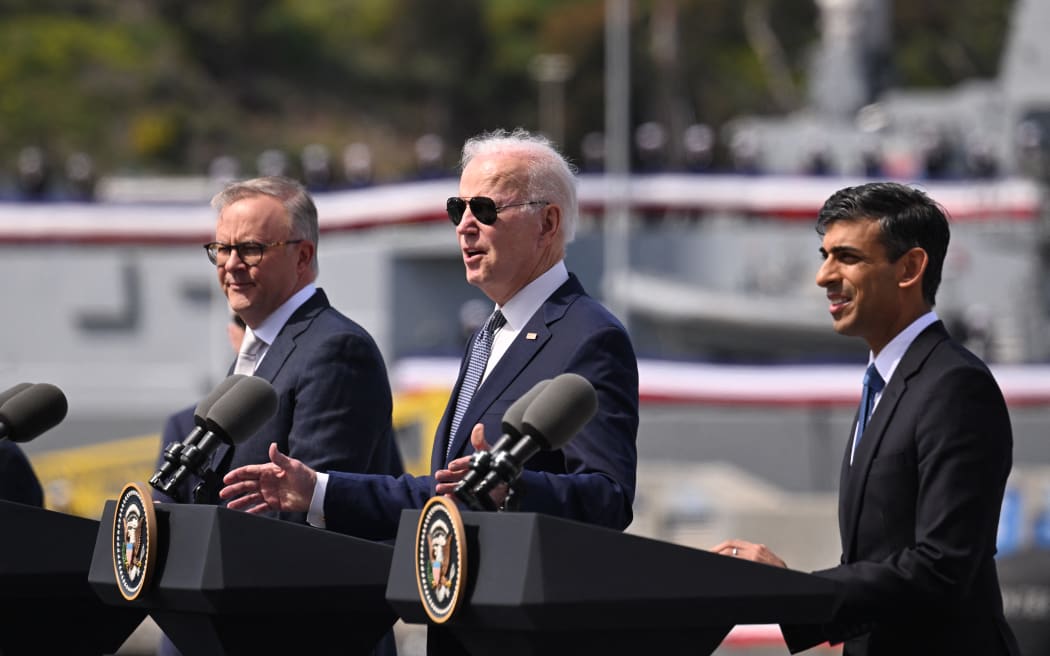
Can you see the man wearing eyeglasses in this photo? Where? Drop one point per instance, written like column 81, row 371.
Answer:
column 335, row 403
column 514, row 215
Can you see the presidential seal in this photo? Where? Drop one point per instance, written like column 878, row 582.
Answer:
column 134, row 535
column 440, row 558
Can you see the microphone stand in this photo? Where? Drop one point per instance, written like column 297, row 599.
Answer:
column 514, row 494
column 483, row 502
column 206, row 492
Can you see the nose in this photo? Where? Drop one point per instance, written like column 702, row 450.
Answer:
column 825, row 274
column 467, row 223
column 234, row 261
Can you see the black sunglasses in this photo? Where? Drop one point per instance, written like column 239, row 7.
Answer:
column 484, row 209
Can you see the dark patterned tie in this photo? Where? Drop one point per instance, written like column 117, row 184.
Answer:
column 479, row 357
column 873, row 384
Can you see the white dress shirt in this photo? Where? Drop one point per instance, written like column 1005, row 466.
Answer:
column 890, row 356
column 271, row 326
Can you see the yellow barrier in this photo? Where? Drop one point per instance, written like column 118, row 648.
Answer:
column 79, row 480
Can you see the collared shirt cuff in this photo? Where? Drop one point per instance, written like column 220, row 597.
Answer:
column 315, row 515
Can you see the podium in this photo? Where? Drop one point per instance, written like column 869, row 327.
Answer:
column 227, row 582
column 538, row 584
column 47, row 605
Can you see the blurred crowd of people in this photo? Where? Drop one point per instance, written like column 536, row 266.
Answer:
column 37, row 175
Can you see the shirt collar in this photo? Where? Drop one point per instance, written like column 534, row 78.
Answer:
column 520, row 308
column 272, row 325
column 890, row 356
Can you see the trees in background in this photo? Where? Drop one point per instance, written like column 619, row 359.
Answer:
column 167, row 86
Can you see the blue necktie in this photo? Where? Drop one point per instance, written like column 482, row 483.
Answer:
column 479, row 357
column 873, row 384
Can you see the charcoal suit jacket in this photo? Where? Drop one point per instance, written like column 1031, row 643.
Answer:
column 334, row 402
column 918, row 513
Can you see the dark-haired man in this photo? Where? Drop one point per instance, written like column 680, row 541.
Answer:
column 927, row 460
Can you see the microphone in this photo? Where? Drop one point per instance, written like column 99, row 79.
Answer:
column 173, row 452
column 233, row 418
column 13, row 391
column 558, row 412
column 481, row 461
column 31, row 410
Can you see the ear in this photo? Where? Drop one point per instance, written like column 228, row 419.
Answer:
column 911, row 267
column 550, row 225
column 306, row 254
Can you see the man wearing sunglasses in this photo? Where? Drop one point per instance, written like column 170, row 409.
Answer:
column 515, row 213
column 335, row 402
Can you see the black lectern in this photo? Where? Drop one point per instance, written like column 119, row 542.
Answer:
column 227, row 582
column 538, row 584
column 46, row 603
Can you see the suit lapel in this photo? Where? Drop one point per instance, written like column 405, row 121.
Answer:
column 517, row 357
column 281, row 349
column 437, row 454
column 854, row 479
column 519, row 354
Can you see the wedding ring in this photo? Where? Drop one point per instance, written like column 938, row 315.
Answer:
column 735, row 551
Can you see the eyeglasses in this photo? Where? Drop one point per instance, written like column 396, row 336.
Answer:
column 250, row 252
column 484, row 209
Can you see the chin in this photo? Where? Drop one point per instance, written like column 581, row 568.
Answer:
column 846, row 330
column 238, row 304
column 840, row 326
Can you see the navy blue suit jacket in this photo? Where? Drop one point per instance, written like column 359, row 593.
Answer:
column 918, row 512
column 18, row 481
column 334, row 402
column 591, row 479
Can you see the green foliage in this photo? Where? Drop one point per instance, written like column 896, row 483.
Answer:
column 61, row 76
column 948, row 40
column 166, row 85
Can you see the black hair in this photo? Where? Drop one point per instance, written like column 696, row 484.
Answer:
column 907, row 217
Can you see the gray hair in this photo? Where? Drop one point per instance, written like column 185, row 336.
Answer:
column 551, row 176
column 292, row 195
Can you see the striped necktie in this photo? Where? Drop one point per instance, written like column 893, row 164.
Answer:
column 479, row 357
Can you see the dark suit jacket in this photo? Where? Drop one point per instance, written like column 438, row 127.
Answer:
column 18, row 481
column 334, row 401
column 918, row 512
column 591, row 479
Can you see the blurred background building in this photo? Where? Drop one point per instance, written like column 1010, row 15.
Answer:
column 722, row 124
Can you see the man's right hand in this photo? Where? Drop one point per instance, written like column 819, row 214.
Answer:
column 283, row 484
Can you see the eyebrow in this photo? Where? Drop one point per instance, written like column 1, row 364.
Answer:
column 838, row 250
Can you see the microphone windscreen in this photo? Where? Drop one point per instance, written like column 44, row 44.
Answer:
column 514, row 415
column 560, row 410
column 243, row 409
column 36, row 409
column 201, row 411
column 12, row 391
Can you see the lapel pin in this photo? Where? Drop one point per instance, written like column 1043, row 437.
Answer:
column 530, row 335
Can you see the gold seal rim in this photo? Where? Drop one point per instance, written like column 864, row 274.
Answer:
column 149, row 523
column 459, row 535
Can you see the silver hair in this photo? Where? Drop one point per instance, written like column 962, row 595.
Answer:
column 551, row 176
column 292, row 195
